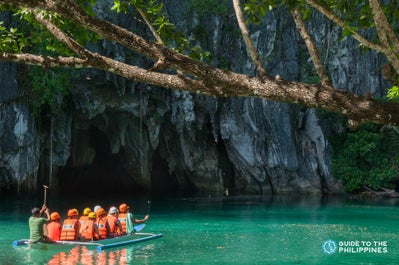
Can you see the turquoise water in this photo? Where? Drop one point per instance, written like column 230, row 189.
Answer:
column 278, row 230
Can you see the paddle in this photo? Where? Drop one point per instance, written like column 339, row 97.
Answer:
column 45, row 194
column 139, row 227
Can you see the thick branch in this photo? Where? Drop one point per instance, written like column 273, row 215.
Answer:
column 383, row 30
column 247, row 39
column 61, row 36
column 113, row 66
column 209, row 80
column 314, row 54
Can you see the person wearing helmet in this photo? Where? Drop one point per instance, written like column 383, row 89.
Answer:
column 88, row 229
column 54, row 227
column 102, row 224
column 85, row 215
column 128, row 220
column 71, row 226
column 113, row 221
column 36, row 224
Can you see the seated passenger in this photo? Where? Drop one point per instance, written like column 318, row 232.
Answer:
column 102, row 224
column 85, row 215
column 88, row 229
column 128, row 220
column 71, row 226
column 54, row 227
column 113, row 221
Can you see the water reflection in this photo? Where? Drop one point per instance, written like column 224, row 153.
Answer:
column 83, row 255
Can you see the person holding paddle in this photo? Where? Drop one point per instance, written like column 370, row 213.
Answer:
column 37, row 223
column 128, row 220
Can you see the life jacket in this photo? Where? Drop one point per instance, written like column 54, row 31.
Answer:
column 54, row 231
column 87, row 230
column 103, row 227
column 123, row 219
column 68, row 231
column 114, row 225
column 83, row 218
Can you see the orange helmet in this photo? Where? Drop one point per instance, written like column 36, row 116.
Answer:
column 73, row 212
column 123, row 207
column 100, row 212
column 55, row 216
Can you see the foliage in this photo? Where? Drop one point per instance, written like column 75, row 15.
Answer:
column 363, row 158
column 48, row 87
column 11, row 40
column 393, row 94
column 170, row 35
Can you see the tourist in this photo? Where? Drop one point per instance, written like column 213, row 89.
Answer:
column 88, row 229
column 71, row 226
column 102, row 224
column 85, row 215
column 37, row 223
column 128, row 220
column 113, row 221
column 54, row 227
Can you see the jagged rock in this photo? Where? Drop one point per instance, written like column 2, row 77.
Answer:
column 161, row 140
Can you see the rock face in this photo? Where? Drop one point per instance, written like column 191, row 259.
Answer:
column 163, row 141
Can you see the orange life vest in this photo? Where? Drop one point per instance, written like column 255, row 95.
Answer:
column 70, row 229
column 87, row 230
column 83, row 218
column 103, row 227
column 54, row 231
column 122, row 219
column 114, row 224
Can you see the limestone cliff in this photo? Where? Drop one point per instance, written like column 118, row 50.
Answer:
column 158, row 140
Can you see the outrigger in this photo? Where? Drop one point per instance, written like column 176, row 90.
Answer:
column 100, row 245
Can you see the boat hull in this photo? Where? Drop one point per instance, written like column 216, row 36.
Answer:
column 99, row 245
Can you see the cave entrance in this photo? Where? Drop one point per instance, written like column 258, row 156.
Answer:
column 162, row 183
column 105, row 175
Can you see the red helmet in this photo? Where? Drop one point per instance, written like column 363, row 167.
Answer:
column 123, row 207
column 55, row 216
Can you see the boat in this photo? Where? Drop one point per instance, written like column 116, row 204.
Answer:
column 100, row 245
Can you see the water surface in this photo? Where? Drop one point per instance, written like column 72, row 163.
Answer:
column 251, row 230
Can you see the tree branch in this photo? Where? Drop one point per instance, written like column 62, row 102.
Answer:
column 152, row 29
column 61, row 36
column 342, row 24
column 314, row 54
column 247, row 39
column 383, row 30
column 207, row 79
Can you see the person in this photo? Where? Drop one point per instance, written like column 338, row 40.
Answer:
column 128, row 220
column 85, row 215
column 113, row 221
column 102, row 224
column 71, row 226
column 54, row 227
column 37, row 224
column 88, row 229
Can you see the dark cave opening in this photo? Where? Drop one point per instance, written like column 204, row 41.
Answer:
column 108, row 173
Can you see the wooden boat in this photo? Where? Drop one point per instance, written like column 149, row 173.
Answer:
column 99, row 245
